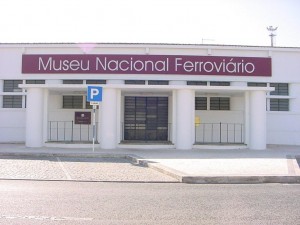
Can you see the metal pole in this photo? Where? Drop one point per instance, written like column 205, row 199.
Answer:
column 94, row 126
column 220, row 132
column 50, row 130
column 57, row 131
column 72, row 131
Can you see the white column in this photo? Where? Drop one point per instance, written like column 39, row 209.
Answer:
column 174, row 116
column 45, row 116
column 34, row 117
column 185, row 107
column 257, row 120
column 109, row 118
column 246, row 118
column 1, row 90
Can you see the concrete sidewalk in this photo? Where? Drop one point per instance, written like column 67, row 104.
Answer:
column 277, row 164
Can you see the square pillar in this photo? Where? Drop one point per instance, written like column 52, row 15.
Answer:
column 34, row 117
column 109, row 119
column 258, row 124
column 185, row 111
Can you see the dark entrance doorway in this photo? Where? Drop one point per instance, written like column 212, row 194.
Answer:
column 146, row 118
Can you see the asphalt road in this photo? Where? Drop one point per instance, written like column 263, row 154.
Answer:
column 69, row 202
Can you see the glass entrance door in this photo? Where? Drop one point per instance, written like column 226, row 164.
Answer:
column 146, row 118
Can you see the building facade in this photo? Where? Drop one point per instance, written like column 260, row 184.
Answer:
column 179, row 96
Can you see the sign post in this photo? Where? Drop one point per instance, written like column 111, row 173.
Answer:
column 94, row 96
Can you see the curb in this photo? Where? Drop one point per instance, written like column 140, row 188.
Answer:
column 75, row 155
column 241, row 179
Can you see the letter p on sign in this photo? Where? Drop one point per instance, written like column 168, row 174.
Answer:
column 94, row 94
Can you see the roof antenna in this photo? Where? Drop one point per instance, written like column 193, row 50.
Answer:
column 272, row 34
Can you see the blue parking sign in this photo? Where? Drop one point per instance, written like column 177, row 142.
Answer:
column 94, row 94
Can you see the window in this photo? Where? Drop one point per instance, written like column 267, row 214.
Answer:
column 72, row 81
column 135, row 82
column 72, row 102
column 200, row 103
column 12, row 86
column 95, row 81
column 219, row 83
column 279, row 104
column 35, row 81
column 280, row 89
column 12, row 101
column 217, row 103
column 158, row 82
column 256, row 84
column 199, row 83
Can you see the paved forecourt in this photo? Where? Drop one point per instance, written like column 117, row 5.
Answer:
column 117, row 169
column 277, row 164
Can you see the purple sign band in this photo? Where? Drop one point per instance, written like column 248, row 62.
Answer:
column 146, row 64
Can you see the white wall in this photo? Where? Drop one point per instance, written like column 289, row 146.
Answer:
column 209, row 128
column 283, row 128
column 61, row 122
column 12, row 125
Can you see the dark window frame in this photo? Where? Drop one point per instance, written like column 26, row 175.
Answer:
column 158, row 82
column 279, row 104
column 35, row 81
column 72, row 102
column 135, row 82
column 220, row 103
column 200, row 103
column 72, row 81
column 281, row 89
column 12, row 85
column 95, row 81
column 197, row 83
column 219, row 83
column 256, row 84
column 12, row 101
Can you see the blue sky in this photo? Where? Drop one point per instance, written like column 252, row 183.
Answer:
column 234, row 22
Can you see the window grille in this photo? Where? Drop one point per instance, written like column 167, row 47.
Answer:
column 198, row 83
column 219, row 83
column 72, row 102
column 279, row 104
column 280, row 89
column 95, row 81
column 35, row 81
column 256, row 84
column 158, row 82
column 12, row 101
column 200, row 103
column 72, row 81
column 12, row 85
column 217, row 103
column 140, row 82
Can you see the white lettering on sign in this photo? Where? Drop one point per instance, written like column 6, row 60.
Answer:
column 63, row 65
column 132, row 65
column 154, row 64
column 94, row 92
column 224, row 66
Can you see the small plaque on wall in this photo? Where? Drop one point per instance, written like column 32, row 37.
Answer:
column 82, row 117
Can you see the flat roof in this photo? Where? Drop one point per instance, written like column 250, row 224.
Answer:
column 152, row 44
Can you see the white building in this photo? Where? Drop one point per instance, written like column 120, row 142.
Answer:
column 181, row 96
